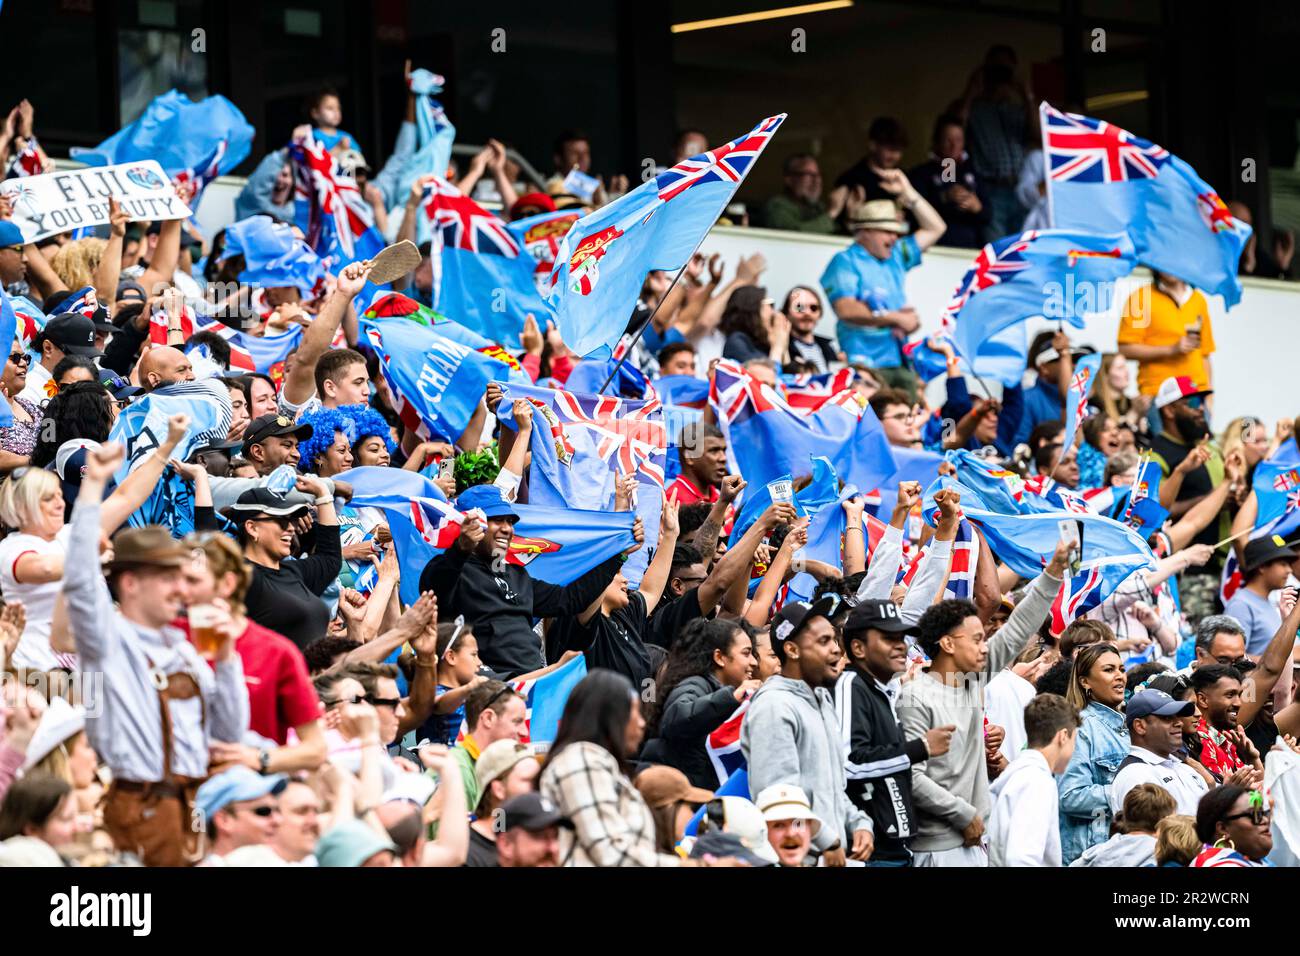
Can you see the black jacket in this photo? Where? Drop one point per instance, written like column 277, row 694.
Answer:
column 879, row 765
column 500, row 607
column 695, row 708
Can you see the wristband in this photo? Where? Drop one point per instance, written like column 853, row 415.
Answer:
column 857, row 528
column 324, row 500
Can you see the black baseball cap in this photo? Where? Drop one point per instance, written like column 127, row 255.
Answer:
column 260, row 500
column 1261, row 551
column 118, row 386
column 273, row 425
column 72, row 332
column 879, row 614
column 798, row 613
column 533, row 812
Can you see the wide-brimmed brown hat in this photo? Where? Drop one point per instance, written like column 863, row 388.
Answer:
column 150, row 546
column 876, row 214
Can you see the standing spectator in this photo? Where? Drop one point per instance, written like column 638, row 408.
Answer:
column 1233, row 824
column 1137, row 820
column 948, row 182
column 799, row 206
column 753, row 327
column 505, row 769
column 886, row 140
column 1155, row 727
column 585, row 777
column 1266, row 568
column 999, row 113
column 791, row 735
column 1023, row 826
column 702, row 450
column 1165, row 327
column 531, row 832
column 865, row 282
column 1097, row 685
column 18, row 440
column 1225, row 750
column 1049, row 356
column 879, row 758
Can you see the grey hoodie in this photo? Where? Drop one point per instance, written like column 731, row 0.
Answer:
column 1123, row 849
column 790, row 736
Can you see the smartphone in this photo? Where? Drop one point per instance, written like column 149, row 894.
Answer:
column 445, row 467
column 1194, row 328
column 1070, row 535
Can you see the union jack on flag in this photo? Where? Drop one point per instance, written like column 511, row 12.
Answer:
column 437, row 522
column 1078, row 595
column 806, row 393
column 83, row 302
column 727, row 164
column 28, row 162
column 633, row 440
column 735, row 394
column 331, row 195
column 461, row 223
column 995, row 262
column 203, row 174
column 1088, row 150
column 961, row 568
column 723, row 744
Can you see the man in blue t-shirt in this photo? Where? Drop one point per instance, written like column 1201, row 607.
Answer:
column 864, row 283
column 1266, row 565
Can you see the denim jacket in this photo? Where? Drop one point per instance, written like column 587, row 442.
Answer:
column 1102, row 742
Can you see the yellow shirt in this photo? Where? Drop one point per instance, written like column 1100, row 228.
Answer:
column 1152, row 317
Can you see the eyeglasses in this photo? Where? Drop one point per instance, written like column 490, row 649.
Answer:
column 20, row 358
column 800, row 309
column 383, row 701
column 693, row 579
column 899, row 417
column 1242, row 663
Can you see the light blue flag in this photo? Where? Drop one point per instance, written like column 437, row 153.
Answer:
column 273, row 256
column 825, row 544
column 1076, row 401
column 1058, row 274
column 604, row 259
column 1276, row 483
column 547, row 696
column 1104, row 179
column 180, row 134
column 8, row 332
column 434, row 136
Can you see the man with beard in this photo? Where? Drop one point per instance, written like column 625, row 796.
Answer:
column 1156, row 734
column 791, row 735
column 1226, row 751
column 1191, row 469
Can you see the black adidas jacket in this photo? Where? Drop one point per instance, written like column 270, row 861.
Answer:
column 879, row 762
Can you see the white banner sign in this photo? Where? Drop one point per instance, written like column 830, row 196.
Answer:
column 62, row 201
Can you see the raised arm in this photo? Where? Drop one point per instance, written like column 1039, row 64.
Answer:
column 1275, row 659
column 737, row 560
column 655, row 577
column 89, row 605
column 143, row 479
column 300, row 385
column 707, row 534
column 109, row 269
column 930, row 226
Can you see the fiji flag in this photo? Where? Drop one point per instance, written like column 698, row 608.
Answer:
column 485, row 276
column 180, row 134
column 683, row 391
column 329, row 208
column 434, row 133
column 1076, row 403
column 582, row 444
column 1276, row 483
column 1054, row 273
column 1104, row 178
column 768, row 438
column 8, row 334
column 604, row 258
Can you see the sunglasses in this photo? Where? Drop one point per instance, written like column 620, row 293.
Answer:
column 497, row 696
column 1257, row 815
column 20, row 358
column 263, row 811
column 11, row 249
column 1194, row 401
column 800, row 309
column 387, row 701
column 339, row 701
column 282, row 520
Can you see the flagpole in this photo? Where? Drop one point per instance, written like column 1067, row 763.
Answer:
column 646, row 324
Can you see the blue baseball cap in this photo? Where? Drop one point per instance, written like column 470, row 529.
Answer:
column 10, row 235
column 488, row 499
column 1147, row 702
column 236, row 785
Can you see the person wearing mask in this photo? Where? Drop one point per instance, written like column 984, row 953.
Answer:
column 1232, row 823
column 1155, row 726
column 791, row 735
column 586, row 780
column 1097, row 685
column 148, row 667
column 1023, row 825
column 880, row 758
column 708, row 675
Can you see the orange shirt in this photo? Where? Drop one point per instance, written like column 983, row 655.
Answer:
column 1152, row 317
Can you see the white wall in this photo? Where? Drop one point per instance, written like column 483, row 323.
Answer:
column 1255, row 368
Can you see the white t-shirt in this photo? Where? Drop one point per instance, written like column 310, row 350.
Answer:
column 1005, row 697
column 34, row 390
column 33, row 649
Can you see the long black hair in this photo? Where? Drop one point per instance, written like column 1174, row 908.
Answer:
column 597, row 712
column 1214, row 806
column 79, row 410
column 691, row 656
column 744, row 313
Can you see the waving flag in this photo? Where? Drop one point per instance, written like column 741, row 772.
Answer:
column 961, row 566
column 329, row 208
column 1276, row 483
column 605, row 257
column 684, row 391
column 8, row 334
column 808, row 392
column 820, row 491
column 582, row 444
column 1054, row 273
column 767, row 438
column 434, row 133
column 202, row 174
column 1076, row 403
column 180, row 134
column 723, row 744
column 273, row 256
column 1104, row 178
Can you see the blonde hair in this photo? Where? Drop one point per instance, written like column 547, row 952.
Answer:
column 75, row 262
column 1234, row 436
column 56, row 761
column 224, row 557
column 1113, row 403
column 1176, row 840
column 20, row 498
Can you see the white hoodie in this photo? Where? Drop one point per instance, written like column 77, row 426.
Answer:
column 1023, row 827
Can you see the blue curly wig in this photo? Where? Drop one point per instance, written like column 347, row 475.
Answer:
column 324, row 422
column 362, row 422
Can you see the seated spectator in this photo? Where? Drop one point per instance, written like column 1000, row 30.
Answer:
column 239, row 809
column 803, row 308
column 948, row 182
column 504, row 770
column 799, row 207
column 1257, row 261
column 530, row 834
column 1176, row 841
column 1232, row 824
column 753, row 327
